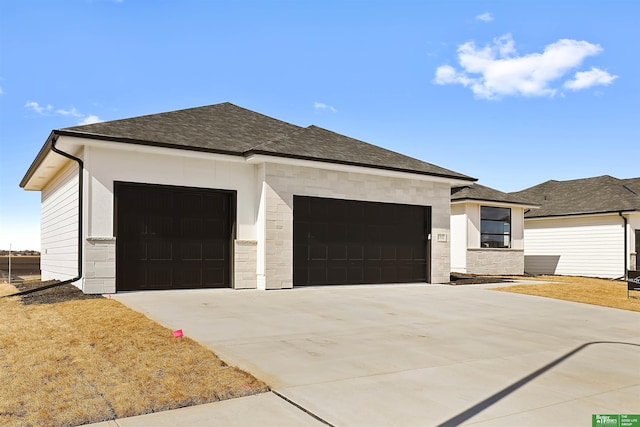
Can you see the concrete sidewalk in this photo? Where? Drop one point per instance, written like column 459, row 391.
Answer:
column 265, row 409
column 409, row 355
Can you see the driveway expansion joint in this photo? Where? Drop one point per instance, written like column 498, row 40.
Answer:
column 302, row 408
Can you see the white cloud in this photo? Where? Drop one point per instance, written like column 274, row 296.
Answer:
column 496, row 70
column 484, row 17
column 37, row 108
column 89, row 120
column 321, row 106
column 1, row 91
column 72, row 112
column 586, row 79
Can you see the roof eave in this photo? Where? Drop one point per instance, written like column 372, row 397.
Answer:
column 611, row 212
column 364, row 165
column 42, row 154
column 505, row 202
column 143, row 142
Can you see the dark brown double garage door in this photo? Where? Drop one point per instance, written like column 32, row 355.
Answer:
column 179, row 238
column 352, row 242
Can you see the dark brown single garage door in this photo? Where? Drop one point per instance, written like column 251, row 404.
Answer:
column 348, row 242
column 172, row 237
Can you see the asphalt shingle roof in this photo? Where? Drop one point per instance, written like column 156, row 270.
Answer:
column 482, row 193
column 479, row 192
column 599, row 194
column 227, row 128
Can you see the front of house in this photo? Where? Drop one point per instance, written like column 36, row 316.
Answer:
column 584, row 227
column 221, row 196
column 487, row 231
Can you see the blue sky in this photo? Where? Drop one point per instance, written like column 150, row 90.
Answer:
column 511, row 92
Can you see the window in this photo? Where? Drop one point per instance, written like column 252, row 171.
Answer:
column 495, row 227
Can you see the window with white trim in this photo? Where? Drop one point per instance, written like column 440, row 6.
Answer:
column 495, row 227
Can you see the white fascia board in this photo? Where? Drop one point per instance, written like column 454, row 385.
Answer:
column 140, row 148
column 496, row 204
column 74, row 145
column 262, row 158
column 616, row 213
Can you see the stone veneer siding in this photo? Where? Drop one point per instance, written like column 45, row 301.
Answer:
column 495, row 261
column 244, row 262
column 99, row 265
column 282, row 182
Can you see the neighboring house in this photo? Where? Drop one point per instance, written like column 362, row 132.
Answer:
column 487, row 231
column 221, row 196
column 585, row 227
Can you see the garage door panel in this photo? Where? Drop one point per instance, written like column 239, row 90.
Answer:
column 368, row 242
column 214, row 228
column 317, row 209
column 300, row 275
column 216, row 278
column 318, row 275
column 319, row 251
column 355, row 253
column 159, row 250
column 389, row 253
column 301, row 251
column 188, row 276
column 373, row 253
column 158, row 201
column 318, row 231
column 191, row 227
column 337, row 232
column 134, row 223
column 373, row 274
column 356, row 233
column 356, row 274
column 159, row 275
column 172, row 237
column 338, row 252
column 338, row 274
column 191, row 251
column 406, row 253
column 215, row 250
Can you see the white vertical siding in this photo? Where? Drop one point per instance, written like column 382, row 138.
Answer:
column 582, row 246
column 59, row 225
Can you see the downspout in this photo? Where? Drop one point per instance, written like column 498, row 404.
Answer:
column 625, row 244
column 80, row 201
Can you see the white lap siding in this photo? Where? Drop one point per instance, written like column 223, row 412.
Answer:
column 582, row 246
column 59, row 225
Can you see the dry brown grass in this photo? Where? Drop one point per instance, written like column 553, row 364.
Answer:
column 587, row 290
column 77, row 362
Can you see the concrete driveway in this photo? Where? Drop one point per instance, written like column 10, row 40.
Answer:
column 418, row 355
